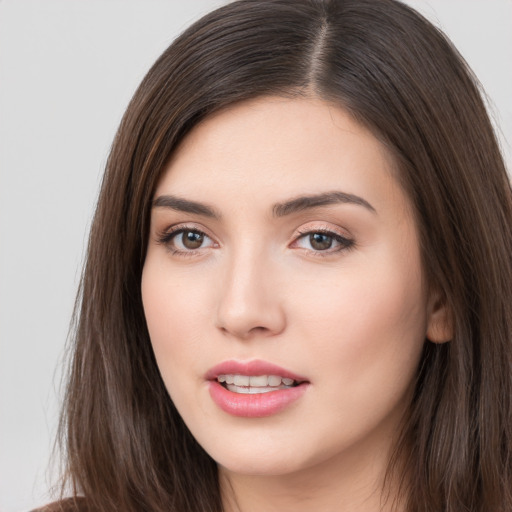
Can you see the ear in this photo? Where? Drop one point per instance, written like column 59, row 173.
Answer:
column 440, row 319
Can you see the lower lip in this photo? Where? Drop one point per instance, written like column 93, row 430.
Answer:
column 255, row 406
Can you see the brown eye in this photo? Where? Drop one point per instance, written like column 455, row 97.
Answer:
column 320, row 241
column 192, row 239
column 186, row 241
column 327, row 242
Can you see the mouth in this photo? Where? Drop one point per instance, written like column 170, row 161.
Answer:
column 253, row 384
column 254, row 388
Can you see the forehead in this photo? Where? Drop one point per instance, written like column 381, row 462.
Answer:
column 270, row 149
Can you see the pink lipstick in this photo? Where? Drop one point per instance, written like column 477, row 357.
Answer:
column 255, row 388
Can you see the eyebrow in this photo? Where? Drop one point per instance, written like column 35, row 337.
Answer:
column 185, row 205
column 279, row 209
column 313, row 201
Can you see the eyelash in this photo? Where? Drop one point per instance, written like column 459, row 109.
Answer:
column 166, row 238
column 345, row 243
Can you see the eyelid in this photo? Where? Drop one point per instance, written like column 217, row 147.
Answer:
column 192, row 226
column 312, row 227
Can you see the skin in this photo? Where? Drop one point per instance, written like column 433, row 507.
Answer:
column 351, row 319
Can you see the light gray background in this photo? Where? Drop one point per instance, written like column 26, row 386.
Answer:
column 67, row 71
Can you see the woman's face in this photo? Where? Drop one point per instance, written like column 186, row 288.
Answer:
column 283, row 288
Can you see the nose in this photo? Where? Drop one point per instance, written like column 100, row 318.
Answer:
column 249, row 303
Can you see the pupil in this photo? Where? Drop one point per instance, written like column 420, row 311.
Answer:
column 320, row 241
column 192, row 240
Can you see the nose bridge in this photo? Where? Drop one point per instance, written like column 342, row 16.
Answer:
column 249, row 301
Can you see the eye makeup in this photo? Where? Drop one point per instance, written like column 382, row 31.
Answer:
column 190, row 240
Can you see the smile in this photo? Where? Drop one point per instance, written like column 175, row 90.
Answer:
column 254, row 389
column 253, row 384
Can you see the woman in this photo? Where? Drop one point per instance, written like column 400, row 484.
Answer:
column 298, row 285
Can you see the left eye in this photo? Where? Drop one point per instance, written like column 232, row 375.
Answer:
column 323, row 241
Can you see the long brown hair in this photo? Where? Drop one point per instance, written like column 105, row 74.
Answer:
column 127, row 448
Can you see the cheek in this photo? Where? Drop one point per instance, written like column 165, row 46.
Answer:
column 174, row 307
column 368, row 326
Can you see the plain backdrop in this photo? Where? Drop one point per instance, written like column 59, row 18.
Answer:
column 67, row 71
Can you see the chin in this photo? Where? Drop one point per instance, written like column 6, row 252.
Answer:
column 258, row 466
column 263, row 456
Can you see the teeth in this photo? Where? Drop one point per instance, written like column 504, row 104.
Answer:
column 274, row 380
column 241, row 380
column 250, row 390
column 260, row 383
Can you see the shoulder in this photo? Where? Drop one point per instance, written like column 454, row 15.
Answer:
column 67, row 505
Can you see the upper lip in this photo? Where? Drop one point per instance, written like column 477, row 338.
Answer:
column 253, row 367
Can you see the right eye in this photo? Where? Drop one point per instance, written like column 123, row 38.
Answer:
column 186, row 240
